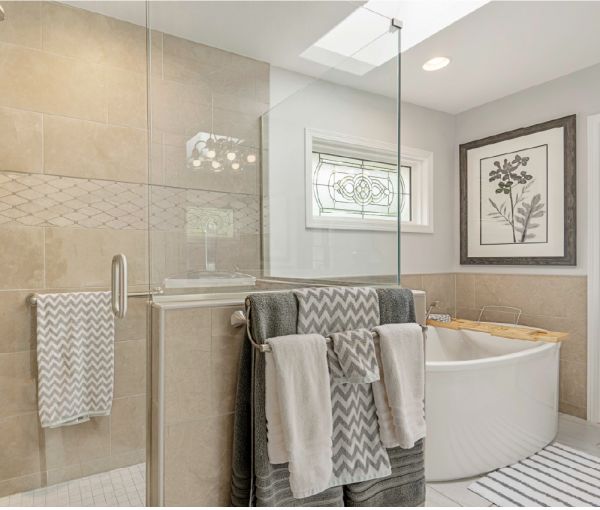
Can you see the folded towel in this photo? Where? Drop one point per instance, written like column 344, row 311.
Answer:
column 356, row 356
column 358, row 454
column 403, row 364
column 275, row 442
column 302, row 378
column 75, row 357
column 387, row 430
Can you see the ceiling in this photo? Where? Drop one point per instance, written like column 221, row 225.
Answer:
column 501, row 48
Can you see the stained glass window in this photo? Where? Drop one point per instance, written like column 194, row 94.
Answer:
column 348, row 187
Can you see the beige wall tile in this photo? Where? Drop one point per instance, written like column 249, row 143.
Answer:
column 20, row 454
column 192, row 483
column 22, row 24
column 20, row 141
column 88, row 149
column 130, row 368
column 20, row 484
column 225, row 362
column 566, row 408
column 77, row 257
column 189, row 329
column 189, row 62
column 573, row 383
column 128, row 425
column 44, row 82
column 21, row 257
column 440, row 287
column 17, row 383
column 65, row 446
column 133, row 325
column 465, row 290
column 126, row 98
column 94, row 38
column 17, row 322
column 554, row 296
column 221, row 322
column 412, row 281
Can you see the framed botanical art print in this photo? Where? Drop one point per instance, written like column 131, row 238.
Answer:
column 518, row 197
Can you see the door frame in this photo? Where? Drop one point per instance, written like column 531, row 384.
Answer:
column 593, row 260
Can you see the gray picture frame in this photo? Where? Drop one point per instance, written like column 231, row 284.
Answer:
column 569, row 258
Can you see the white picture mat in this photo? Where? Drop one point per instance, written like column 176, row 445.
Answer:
column 554, row 138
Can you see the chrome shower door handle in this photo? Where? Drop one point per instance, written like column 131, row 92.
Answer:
column 119, row 285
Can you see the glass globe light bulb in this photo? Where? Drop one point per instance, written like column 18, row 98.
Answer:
column 235, row 166
column 196, row 163
column 211, row 154
column 231, row 156
column 215, row 164
column 251, row 158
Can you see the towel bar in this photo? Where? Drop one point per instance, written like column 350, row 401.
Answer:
column 267, row 347
column 32, row 298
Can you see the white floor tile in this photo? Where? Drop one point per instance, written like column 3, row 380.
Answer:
column 434, row 498
column 95, row 490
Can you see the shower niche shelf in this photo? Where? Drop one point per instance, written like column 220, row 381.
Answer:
column 209, row 279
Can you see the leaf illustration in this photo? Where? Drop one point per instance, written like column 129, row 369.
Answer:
column 528, row 211
column 499, row 213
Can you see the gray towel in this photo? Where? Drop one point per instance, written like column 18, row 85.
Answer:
column 275, row 314
column 358, row 454
column 406, row 485
column 255, row 482
column 75, row 356
column 355, row 356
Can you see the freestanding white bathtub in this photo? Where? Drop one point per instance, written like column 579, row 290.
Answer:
column 489, row 402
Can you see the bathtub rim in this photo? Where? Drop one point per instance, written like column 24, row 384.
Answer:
column 503, row 359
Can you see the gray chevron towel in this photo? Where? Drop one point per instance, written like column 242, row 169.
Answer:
column 75, row 356
column 355, row 356
column 358, row 454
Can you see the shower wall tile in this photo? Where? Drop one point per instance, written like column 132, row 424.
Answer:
column 20, row 484
column 97, row 39
column 21, row 258
column 54, row 201
column 20, row 140
column 130, row 368
column 22, row 25
column 441, row 288
column 17, row 383
column 20, row 453
column 77, row 257
column 44, row 82
column 133, row 325
column 126, row 98
column 17, row 325
column 128, row 425
column 79, row 148
column 67, row 446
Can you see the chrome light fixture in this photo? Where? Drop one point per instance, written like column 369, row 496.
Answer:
column 217, row 153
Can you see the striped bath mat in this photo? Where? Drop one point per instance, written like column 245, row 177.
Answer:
column 555, row 476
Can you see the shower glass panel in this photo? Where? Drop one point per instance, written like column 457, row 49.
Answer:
column 273, row 164
column 73, row 193
column 273, row 156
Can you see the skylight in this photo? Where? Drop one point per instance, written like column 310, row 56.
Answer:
column 364, row 40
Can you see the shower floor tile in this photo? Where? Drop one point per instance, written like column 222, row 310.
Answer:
column 119, row 487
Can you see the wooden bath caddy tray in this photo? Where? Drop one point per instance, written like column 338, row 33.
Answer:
column 504, row 331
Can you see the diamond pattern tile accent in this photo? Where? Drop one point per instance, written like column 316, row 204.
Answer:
column 173, row 208
column 55, row 201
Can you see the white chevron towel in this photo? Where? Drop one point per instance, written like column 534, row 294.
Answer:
column 75, row 355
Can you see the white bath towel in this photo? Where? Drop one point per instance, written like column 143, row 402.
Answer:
column 400, row 393
column 75, row 356
column 303, row 391
column 275, row 442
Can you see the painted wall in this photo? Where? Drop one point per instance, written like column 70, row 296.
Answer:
column 301, row 102
column 575, row 93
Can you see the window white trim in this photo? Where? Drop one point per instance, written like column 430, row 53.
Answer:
column 420, row 161
column 593, row 281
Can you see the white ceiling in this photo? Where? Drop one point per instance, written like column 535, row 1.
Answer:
column 503, row 47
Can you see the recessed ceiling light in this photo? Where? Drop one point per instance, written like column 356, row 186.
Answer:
column 436, row 63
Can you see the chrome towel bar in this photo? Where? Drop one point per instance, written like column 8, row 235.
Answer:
column 32, row 298
column 238, row 319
